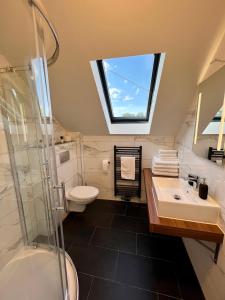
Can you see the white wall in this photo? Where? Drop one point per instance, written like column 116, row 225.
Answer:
column 211, row 276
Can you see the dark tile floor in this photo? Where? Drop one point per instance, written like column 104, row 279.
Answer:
column 117, row 258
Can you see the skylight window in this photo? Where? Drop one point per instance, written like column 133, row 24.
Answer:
column 214, row 126
column 218, row 115
column 128, row 84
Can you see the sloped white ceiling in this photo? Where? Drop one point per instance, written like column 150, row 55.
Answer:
column 93, row 29
column 216, row 58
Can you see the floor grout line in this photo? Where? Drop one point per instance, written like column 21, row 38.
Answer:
column 131, row 286
column 130, row 231
column 133, row 253
column 126, row 208
column 132, row 217
column 172, row 297
column 136, row 244
column 89, row 292
column 116, row 265
column 111, row 221
column 118, row 229
column 178, row 283
column 117, row 251
column 92, row 235
column 113, row 249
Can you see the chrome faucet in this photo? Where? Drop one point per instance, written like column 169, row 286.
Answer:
column 194, row 179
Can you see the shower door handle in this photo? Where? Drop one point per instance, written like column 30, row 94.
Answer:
column 63, row 189
column 64, row 196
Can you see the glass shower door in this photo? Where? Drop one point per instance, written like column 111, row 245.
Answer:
column 27, row 117
column 28, row 124
column 39, row 68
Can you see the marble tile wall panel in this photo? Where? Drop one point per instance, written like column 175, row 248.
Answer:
column 97, row 148
column 58, row 130
column 10, row 227
column 211, row 276
column 10, row 231
column 28, row 171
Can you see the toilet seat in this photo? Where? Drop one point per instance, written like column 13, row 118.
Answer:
column 83, row 193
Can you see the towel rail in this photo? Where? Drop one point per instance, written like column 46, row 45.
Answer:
column 123, row 187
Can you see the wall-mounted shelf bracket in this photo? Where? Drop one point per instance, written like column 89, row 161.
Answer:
column 214, row 251
column 200, row 232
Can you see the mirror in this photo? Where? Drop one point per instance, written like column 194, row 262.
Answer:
column 209, row 126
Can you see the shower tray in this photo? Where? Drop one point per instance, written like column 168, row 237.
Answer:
column 31, row 275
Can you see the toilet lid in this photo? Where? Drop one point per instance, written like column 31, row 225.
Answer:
column 84, row 192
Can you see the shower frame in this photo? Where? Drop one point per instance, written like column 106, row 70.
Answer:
column 48, row 165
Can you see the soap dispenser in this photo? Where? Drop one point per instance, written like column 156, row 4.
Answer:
column 203, row 189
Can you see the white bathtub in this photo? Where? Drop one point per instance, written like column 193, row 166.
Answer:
column 34, row 274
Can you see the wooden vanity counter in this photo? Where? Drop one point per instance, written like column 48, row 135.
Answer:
column 175, row 227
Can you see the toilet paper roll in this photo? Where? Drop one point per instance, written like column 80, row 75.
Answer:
column 105, row 165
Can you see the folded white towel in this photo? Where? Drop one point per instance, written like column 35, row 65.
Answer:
column 165, row 173
column 155, row 169
column 159, row 161
column 168, row 158
column 163, row 166
column 128, row 167
column 163, row 151
column 168, row 154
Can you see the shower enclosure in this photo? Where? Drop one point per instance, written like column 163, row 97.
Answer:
column 40, row 269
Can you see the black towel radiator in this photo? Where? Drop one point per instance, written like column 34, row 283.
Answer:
column 123, row 187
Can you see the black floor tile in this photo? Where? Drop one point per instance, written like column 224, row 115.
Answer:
column 115, row 225
column 164, row 297
column 130, row 224
column 67, row 241
column 150, row 274
column 106, row 206
column 189, row 285
column 107, row 290
column 77, row 232
column 137, row 210
column 91, row 219
column 104, row 220
column 94, row 260
column 115, row 239
column 84, row 285
column 159, row 247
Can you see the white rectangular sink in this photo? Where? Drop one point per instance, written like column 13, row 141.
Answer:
column 175, row 198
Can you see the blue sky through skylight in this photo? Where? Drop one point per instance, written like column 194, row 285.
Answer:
column 128, row 80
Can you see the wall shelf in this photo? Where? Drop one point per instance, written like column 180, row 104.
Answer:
column 180, row 228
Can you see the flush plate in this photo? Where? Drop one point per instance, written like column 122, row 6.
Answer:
column 64, row 156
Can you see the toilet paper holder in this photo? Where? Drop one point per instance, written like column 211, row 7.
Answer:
column 105, row 165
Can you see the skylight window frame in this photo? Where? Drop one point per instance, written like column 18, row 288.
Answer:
column 118, row 120
column 216, row 119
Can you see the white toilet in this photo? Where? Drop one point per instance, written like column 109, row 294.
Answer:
column 78, row 197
